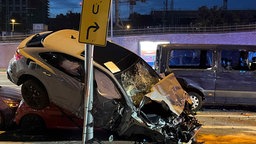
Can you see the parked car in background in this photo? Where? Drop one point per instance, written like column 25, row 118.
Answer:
column 9, row 101
column 216, row 73
column 51, row 117
column 130, row 100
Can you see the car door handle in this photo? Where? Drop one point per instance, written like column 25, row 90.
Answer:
column 47, row 74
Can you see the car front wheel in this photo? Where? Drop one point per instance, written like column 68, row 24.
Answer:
column 35, row 94
column 196, row 100
column 32, row 123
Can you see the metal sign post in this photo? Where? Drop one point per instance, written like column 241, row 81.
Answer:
column 93, row 31
column 88, row 96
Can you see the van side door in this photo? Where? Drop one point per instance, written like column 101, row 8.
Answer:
column 235, row 81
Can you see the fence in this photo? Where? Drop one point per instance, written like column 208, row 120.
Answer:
column 189, row 29
column 159, row 30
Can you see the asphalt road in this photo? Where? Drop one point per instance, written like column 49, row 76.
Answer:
column 227, row 125
column 232, row 125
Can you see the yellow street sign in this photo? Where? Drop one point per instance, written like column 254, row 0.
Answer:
column 94, row 22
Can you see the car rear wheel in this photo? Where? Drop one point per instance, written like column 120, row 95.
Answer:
column 196, row 100
column 35, row 94
column 32, row 123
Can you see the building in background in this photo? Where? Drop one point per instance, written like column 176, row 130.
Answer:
column 18, row 16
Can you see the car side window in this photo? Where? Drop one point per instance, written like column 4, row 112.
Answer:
column 238, row 60
column 190, row 58
column 105, row 87
column 65, row 63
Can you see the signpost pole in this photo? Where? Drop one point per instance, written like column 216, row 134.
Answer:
column 88, row 95
column 93, row 31
column 111, row 20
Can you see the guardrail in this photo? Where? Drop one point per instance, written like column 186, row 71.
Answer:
column 189, row 29
column 159, row 30
column 14, row 38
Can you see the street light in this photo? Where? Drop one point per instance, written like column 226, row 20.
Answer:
column 128, row 27
column 13, row 23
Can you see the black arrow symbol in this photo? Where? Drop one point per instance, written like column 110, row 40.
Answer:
column 95, row 27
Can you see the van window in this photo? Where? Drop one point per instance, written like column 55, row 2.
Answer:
column 238, row 60
column 190, row 58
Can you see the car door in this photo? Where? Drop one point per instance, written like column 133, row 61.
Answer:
column 235, row 81
column 65, row 87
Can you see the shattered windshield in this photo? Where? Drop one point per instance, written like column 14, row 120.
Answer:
column 138, row 80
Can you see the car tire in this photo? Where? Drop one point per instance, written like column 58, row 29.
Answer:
column 197, row 101
column 32, row 123
column 35, row 94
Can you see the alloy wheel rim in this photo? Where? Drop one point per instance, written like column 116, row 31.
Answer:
column 195, row 101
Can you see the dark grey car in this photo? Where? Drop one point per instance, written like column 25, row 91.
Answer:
column 130, row 100
column 218, row 74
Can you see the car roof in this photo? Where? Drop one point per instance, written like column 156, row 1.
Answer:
column 65, row 41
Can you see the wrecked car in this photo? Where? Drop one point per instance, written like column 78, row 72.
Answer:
column 130, row 100
column 51, row 117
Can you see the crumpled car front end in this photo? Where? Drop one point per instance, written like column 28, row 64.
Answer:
column 155, row 110
column 163, row 115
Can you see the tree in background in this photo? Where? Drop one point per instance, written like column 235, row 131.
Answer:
column 69, row 21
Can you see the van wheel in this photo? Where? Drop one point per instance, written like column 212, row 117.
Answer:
column 197, row 101
column 35, row 94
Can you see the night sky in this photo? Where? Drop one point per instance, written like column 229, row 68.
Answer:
column 57, row 6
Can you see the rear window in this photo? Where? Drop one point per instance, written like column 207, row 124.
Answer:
column 36, row 41
column 190, row 58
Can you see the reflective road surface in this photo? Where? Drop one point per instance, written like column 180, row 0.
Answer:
column 227, row 125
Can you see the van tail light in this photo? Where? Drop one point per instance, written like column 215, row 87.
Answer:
column 17, row 55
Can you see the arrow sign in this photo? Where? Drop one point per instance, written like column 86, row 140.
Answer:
column 94, row 22
column 95, row 27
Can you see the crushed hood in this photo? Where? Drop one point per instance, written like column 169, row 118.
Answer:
column 169, row 91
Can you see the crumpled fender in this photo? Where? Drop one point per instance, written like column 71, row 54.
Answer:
column 170, row 91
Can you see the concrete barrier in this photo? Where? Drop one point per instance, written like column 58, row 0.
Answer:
column 7, row 51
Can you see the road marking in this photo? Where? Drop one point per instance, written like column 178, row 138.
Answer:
column 248, row 115
column 228, row 127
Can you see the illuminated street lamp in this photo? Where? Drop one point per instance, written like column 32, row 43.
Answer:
column 13, row 23
column 128, row 27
